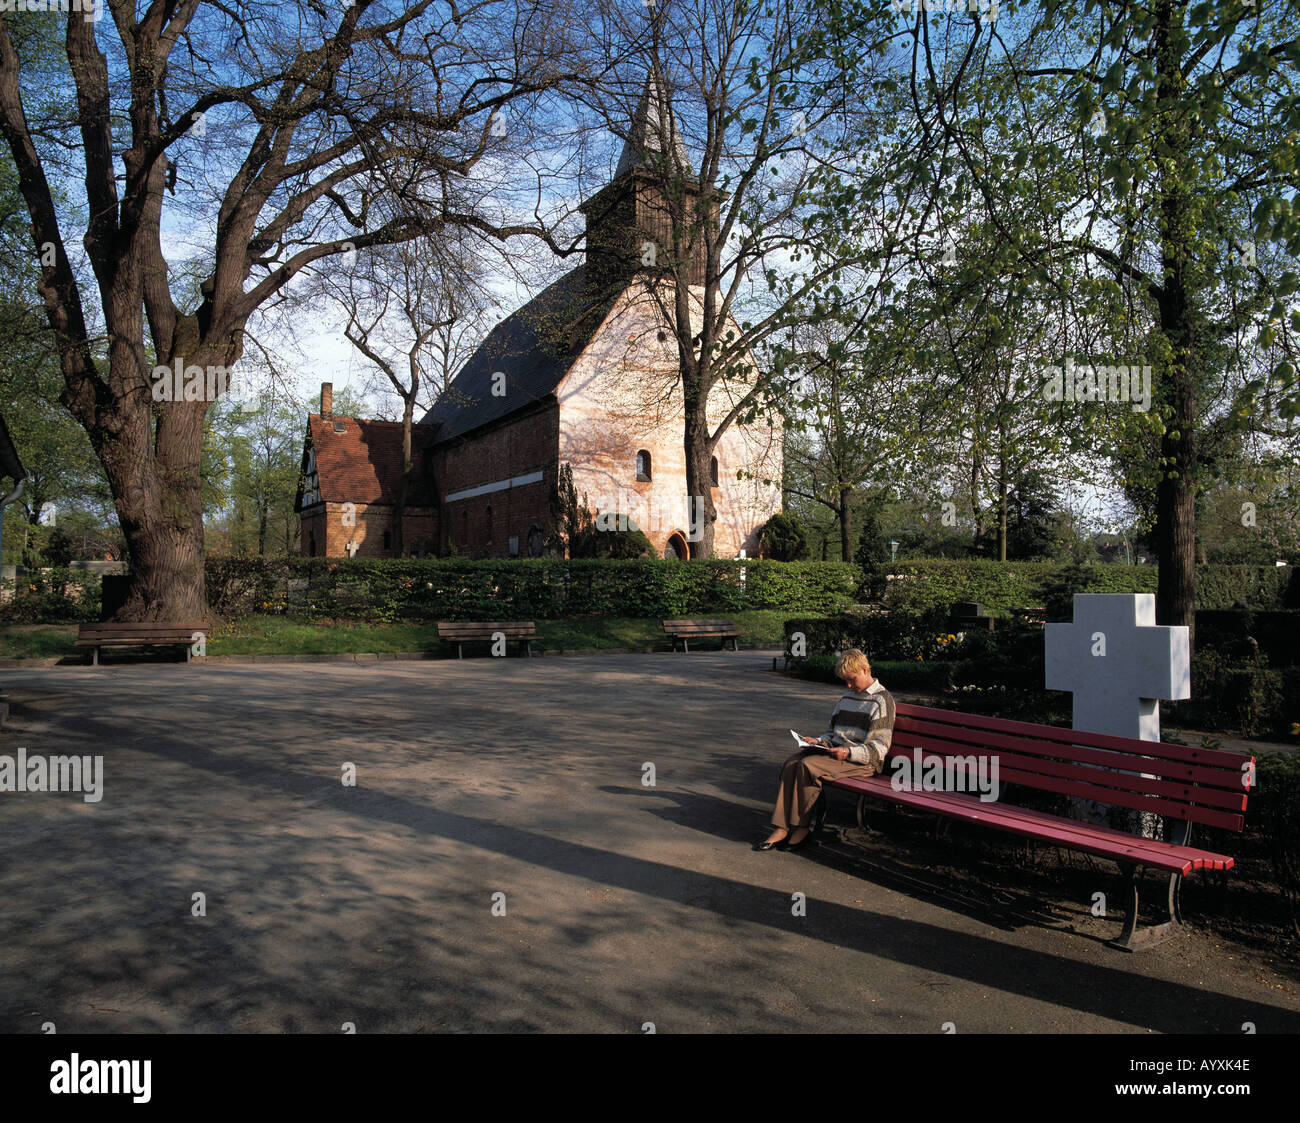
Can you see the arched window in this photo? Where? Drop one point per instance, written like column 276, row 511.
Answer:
column 487, row 536
column 713, row 470
column 388, row 540
column 311, row 544
column 643, row 466
column 536, row 541
column 676, row 548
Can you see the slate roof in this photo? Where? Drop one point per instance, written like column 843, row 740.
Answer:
column 534, row 347
column 363, row 464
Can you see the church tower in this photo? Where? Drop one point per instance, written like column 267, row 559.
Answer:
column 630, row 221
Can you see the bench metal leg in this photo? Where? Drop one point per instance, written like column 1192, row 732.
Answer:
column 686, row 644
column 528, row 649
column 94, row 656
column 1133, row 938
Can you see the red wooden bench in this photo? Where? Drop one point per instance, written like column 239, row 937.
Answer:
column 1183, row 784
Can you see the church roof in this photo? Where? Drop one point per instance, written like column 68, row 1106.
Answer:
column 363, row 463
column 533, row 347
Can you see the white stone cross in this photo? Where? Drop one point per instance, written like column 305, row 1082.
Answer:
column 1118, row 663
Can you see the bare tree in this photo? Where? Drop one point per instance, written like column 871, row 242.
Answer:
column 319, row 129
column 737, row 113
column 415, row 311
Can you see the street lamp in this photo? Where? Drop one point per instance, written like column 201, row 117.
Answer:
column 893, row 550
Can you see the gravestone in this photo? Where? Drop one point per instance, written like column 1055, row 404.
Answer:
column 1119, row 665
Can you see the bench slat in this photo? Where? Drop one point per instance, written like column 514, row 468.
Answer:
column 1216, row 796
column 923, row 732
column 1214, row 757
column 1105, row 842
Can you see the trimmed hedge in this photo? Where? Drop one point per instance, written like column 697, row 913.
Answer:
column 900, row 634
column 390, row 589
column 939, row 582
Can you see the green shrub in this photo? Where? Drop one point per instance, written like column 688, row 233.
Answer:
column 53, row 596
column 898, row 634
column 894, row 675
column 783, row 539
column 1227, row 694
column 412, row 589
column 1245, row 634
column 1273, row 814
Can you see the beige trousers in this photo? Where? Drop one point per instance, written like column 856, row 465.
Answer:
column 801, row 784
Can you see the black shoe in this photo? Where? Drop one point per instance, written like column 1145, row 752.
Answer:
column 794, row 848
column 780, row 844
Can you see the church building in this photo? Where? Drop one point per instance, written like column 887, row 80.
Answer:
column 585, row 374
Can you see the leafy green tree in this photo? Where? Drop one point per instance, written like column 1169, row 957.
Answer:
column 1162, row 136
column 299, row 132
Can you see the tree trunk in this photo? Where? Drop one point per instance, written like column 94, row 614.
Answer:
column 846, row 531
column 700, row 511
column 1002, row 511
column 404, row 480
column 1175, row 530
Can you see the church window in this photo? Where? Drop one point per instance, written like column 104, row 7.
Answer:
column 643, row 466
column 388, row 540
column 536, row 541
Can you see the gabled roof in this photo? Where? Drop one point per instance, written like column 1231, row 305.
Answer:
column 534, row 348
column 363, row 464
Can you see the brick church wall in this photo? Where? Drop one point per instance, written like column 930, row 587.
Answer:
column 482, row 525
column 623, row 395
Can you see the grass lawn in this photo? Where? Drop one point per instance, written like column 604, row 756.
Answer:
column 276, row 635
column 37, row 641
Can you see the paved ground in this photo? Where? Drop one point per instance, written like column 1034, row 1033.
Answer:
column 624, row 904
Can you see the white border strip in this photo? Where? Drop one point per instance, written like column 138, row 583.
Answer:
column 499, row 485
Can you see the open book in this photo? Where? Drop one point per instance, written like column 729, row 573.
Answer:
column 803, row 742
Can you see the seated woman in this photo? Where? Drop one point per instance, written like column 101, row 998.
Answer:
column 855, row 744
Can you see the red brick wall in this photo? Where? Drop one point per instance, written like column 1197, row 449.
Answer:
column 516, row 448
column 369, row 523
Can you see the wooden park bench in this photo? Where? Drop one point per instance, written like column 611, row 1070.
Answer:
column 687, row 630
column 463, row 633
column 1185, row 785
column 113, row 634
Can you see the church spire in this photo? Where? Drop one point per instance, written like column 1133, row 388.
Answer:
column 653, row 127
column 630, row 223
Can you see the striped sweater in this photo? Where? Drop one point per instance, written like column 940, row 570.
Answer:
column 865, row 724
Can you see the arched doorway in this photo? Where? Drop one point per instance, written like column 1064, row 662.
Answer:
column 677, row 547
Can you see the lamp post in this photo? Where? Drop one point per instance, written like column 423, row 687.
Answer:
column 893, row 550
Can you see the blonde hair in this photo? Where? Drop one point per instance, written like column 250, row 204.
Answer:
column 851, row 662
